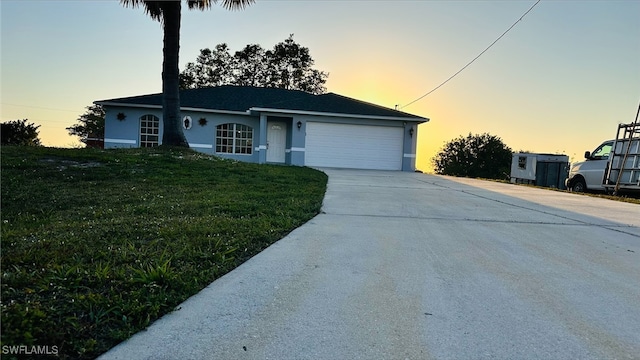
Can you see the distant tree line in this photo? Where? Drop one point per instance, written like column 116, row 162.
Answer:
column 287, row 66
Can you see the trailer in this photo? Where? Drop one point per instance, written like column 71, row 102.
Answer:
column 547, row 170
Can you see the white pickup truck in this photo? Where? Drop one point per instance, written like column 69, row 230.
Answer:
column 589, row 174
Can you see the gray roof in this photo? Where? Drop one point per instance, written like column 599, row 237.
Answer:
column 243, row 98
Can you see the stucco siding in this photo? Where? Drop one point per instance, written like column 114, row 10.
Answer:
column 202, row 134
column 210, row 135
column 410, row 147
column 126, row 132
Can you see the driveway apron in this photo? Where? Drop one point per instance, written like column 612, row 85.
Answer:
column 413, row 266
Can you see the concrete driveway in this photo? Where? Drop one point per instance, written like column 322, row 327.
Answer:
column 414, row 266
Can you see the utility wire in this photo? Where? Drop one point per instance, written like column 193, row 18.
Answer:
column 40, row 107
column 476, row 58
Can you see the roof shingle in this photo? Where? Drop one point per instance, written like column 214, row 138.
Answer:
column 243, row 98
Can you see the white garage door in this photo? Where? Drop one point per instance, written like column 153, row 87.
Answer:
column 353, row 146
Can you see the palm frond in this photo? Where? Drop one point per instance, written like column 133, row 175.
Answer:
column 199, row 4
column 228, row 4
column 152, row 8
column 236, row 4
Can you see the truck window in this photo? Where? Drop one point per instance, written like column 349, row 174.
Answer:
column 602, row 152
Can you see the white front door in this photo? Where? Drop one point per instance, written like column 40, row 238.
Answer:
column 276, row 141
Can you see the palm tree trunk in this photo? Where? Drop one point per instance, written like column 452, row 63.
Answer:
column 172, row 134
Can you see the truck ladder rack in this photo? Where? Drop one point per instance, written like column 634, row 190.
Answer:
column 624, row 161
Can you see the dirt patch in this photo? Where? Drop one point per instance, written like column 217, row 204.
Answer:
column 65, row 163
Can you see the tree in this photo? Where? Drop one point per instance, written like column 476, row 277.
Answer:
column 168, row 13
column 287, row 66
column 483, row 156
column 251, row 66
column 290, row 68
column 212, row 68
column 19, row 132
column 91, row 126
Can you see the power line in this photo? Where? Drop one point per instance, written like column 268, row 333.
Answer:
column 40, row 107
column 475, row 58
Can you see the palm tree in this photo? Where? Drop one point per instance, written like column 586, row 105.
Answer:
column 168, row 13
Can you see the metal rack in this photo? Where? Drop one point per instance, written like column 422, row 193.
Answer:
column 624, row 161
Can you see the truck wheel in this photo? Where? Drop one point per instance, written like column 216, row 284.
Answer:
column 579, row 186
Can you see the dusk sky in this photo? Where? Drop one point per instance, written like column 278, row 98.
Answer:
column 559, row 82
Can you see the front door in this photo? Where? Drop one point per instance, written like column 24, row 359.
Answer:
column 276, row 141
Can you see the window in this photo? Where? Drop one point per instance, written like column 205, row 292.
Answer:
column 149, row 130
column 602, row 152
column 234, row 139
column 522, row 162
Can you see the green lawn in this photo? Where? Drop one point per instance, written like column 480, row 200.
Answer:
column 98, row 244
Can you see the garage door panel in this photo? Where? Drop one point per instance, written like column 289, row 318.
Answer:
column 353, row 146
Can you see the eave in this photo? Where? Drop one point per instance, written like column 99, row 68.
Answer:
column 343, row 115
column 258, row 110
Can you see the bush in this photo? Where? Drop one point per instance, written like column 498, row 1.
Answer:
column 475, row 156
column 18, row 132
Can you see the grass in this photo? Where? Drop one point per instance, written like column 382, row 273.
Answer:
column 98, row 244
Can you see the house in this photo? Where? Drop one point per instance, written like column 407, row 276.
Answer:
column 271, row 125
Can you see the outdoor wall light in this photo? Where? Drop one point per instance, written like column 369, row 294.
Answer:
column 411, row 132
column 299, row 124
column 187, row 122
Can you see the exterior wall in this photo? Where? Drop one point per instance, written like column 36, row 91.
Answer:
column 297, row 140
column 410, row 146
column 200, row 137
column 297, row 147
column 126, row 133
column 203, row 138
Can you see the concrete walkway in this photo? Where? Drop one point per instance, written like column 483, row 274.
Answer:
column 414, row 266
